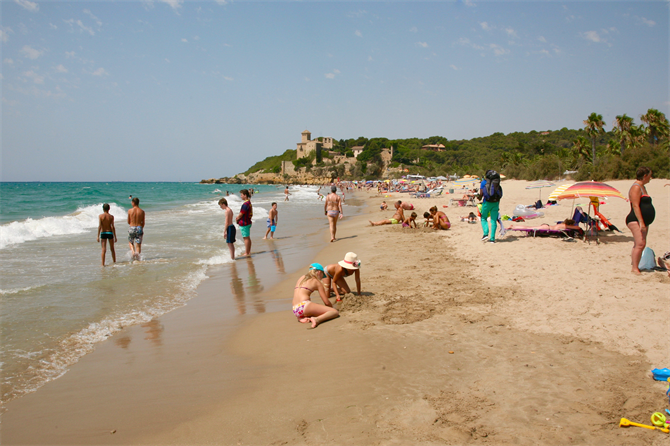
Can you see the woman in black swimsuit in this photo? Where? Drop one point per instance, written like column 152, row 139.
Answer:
column 641, row 215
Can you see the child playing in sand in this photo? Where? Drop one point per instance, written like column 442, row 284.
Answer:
column 335, row 274
column 384, row 206
column 429, row 219
column 228, row 227
column 410, row 221
column 273, row 216
column 306, row 310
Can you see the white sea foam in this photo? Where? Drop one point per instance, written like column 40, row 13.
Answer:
column 82, row 220
column 15, row 291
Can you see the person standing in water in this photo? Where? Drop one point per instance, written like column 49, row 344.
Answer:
column 244, row 221
column 333, row 210
column 273, row 217
column 229, row 230
column 136, row 229
column 286, row 193
column 106, row 231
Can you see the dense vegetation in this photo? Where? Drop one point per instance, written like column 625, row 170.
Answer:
column 593, row 152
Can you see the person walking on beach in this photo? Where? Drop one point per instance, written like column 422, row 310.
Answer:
column 303, row 308
column 136, row 229
column 333, row 210
column 335, row 274
column 244, row 221
column 642, row 214
column 491, row 194
column 229, row 230
column 106, row 231
column 272, row 222
column 286, row 194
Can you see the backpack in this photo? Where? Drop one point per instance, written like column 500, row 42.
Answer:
column 648, row 259
column 493, row 189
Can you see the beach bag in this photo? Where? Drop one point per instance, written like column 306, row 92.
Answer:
column 648, row 259
column 492, row 186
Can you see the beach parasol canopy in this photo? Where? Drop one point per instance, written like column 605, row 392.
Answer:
column 540, row 184
column 465, row 181
column 590, row 189
column 558, row 191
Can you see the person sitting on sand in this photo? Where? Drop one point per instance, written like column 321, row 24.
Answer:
column 429, row 219
column 335, row 274
column 306, row 310
column 566, row 224
column 410, row 221
column 664, row 260
column 440, row 219
column 383, row 206
column 406, row 206
column 398, row 217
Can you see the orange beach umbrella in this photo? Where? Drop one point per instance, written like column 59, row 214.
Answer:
column 590, row 189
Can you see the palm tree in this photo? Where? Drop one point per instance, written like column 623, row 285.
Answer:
column 622, row 124
column 657, row 125
column 637, row 135
column 594, row 125
column 580, row 147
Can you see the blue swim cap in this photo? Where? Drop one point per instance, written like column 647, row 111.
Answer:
column 318, row 267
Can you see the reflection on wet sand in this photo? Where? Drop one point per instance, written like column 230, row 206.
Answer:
column 122, row 341
column 154, row 330
column 255, row 287
column 237, row 287
column 276, row 256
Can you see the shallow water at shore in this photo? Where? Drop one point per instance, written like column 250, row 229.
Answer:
column 58, row 303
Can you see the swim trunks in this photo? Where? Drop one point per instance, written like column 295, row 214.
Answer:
column 135, row 234
column 106, row 235
column 245, row 231
column 230, row 234
column 394, row 221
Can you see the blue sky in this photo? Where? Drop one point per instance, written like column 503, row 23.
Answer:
column 184, row 90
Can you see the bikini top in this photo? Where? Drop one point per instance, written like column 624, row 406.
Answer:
column 304, row 288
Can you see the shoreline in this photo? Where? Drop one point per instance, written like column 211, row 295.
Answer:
column 383, row 372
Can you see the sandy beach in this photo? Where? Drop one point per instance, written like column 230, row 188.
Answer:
column 454, row 341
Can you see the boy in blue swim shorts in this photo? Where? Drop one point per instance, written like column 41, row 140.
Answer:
column 229, row 230
column 272, row 222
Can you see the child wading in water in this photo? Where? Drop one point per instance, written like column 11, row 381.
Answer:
column 229, row 230
column 272, row 222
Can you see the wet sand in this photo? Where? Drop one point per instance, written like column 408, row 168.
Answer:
column 454, row 341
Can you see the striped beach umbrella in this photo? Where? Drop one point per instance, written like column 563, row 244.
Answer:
column 463, row 181
column 590, row 189
column 558, row 191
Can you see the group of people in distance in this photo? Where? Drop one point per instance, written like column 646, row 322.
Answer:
column 325, row 280
column 434, row 218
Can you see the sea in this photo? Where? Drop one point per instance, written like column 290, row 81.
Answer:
column 57, row 301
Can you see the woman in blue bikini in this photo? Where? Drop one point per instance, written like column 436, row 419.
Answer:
column 306, row 310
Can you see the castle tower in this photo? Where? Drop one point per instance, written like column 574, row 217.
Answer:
column 306, row 136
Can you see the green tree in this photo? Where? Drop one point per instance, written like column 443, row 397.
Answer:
column 657, row 125
column 594, row 126
column 580, row 147
column 621, row 128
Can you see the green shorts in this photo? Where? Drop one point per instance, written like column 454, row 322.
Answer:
column 394, row 221
column 245, row 230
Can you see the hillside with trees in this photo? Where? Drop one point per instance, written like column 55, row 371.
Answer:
column 593, row 152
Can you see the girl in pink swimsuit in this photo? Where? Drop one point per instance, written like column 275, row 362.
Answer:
column 306, row 310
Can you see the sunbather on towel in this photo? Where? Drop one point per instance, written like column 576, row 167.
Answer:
column 567, row 224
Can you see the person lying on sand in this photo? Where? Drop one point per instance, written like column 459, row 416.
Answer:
column 440, row 219
column 335, row 274
column 567, row 224
column 406, row 206
column 306, row 310
column 410, row 221
column 398, row 217
column 470, row 218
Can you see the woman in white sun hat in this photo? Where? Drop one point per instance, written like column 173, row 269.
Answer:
column 336, row 273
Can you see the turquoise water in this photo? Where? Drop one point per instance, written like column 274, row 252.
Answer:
column 58, row 302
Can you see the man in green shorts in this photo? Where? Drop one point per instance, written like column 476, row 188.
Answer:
column 398, row 217
column 244, row 221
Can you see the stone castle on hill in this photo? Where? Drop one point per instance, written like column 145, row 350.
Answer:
column 307, row 145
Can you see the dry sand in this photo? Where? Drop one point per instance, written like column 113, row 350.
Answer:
column 454, row 341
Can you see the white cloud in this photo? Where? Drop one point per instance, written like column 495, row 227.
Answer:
column 510, row 32
column 454, row 67
column 52, row 26
column 422, row 44
column 30, row 6
column 498, row 50
column 593, row 36
column 34, row 76
column 413, row 29
column 644, row 21
column 184, row 40
column 81, row 26
column 464, row 41
column 485, row 26
column 61, row 69
column 3, row 36
column 370, row 59
column 69, row 54
column 222, row 2
column 358, row 14
column 196, row 37
column 174, row 4
column 330, row 76
column 90, row 14
column 469, row 3
column 358, row 33
column 30, row 52
column 100, row 72
column 544, row 52
column 228, row 78
column 167, row 60
column 9, row 61
column 336, row 71
column 542, row 39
